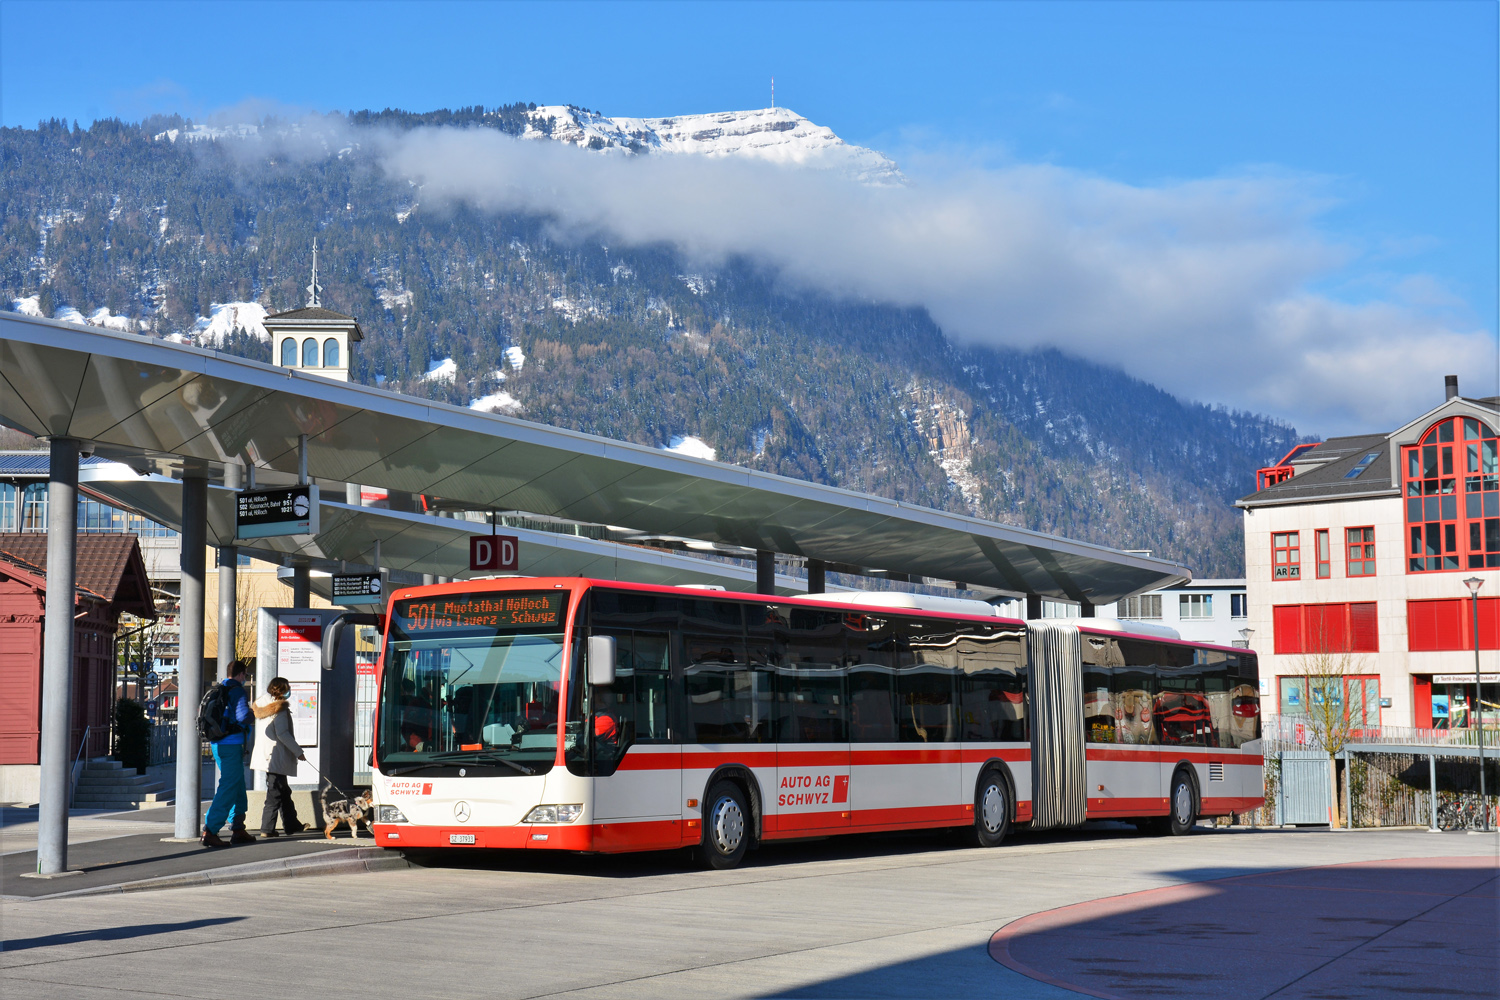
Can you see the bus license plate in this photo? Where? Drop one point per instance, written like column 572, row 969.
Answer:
column 460, row 838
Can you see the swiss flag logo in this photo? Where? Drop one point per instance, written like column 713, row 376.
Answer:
column 840, row 788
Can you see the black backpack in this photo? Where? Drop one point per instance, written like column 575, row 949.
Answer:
column 214, row 721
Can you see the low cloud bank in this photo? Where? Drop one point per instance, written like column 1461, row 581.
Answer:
column 1203, row 287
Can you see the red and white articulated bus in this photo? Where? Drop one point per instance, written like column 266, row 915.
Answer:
column 590, row 715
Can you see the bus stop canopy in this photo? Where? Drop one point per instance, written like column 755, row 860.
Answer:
column 178, row 410
column 414, row 544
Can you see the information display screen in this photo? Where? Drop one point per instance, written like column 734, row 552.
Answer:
column 542, row 610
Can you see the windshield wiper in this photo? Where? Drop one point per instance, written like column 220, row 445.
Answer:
column 454, row 756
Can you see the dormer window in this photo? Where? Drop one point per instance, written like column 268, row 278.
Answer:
column 1451, row 486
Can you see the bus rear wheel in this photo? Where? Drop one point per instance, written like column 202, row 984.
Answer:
column 726, row 826
column 1183, row 803
column 991, row 809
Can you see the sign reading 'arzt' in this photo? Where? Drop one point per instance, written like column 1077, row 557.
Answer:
column 496, row 553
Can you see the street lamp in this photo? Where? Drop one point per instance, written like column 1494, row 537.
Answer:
column 1474, row 583
column 1245, row 634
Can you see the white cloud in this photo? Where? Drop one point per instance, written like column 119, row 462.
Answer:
column 1204, row 287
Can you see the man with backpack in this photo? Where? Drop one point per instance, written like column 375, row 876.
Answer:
column 224, row 717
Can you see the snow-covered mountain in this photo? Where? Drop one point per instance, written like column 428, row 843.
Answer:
column 776, row 134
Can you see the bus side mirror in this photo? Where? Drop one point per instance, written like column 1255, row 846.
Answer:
column 601, row 660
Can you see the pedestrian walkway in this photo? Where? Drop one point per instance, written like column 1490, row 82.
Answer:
column 142, row 857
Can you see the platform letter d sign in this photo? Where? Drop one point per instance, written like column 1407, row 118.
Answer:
column 495, row 553
column 483, row 553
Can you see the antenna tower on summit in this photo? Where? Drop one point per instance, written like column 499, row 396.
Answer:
column 773, row 93
column 314, row 288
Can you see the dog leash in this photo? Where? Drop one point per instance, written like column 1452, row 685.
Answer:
column 326, row 778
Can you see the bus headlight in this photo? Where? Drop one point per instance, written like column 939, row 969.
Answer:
column 554, row 814
column 390, row 814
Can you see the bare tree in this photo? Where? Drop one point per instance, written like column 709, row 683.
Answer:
column 246, row 617
column 1331, row 718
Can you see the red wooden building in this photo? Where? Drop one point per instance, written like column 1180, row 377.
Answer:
column 111, row 579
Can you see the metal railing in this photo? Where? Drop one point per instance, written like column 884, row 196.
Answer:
column 163, row 742
column 1297, row 731
column 77, row 768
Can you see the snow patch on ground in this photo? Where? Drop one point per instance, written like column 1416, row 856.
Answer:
column 445, row 370
column 691, row 446
column 223, row 317
column 31, row 305
column 516, row 357
column 697, row 283
column 69, row 315
column 497, row 402
column 103, row 317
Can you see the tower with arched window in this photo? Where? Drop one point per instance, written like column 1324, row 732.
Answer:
column 314, row 340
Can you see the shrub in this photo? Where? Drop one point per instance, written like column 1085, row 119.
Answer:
column 132, row 734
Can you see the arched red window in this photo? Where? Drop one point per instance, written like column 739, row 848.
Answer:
column 1451, row 484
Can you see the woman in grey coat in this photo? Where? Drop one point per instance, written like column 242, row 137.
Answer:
column 276, row 753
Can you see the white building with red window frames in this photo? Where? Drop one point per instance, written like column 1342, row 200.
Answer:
column 1362, row 545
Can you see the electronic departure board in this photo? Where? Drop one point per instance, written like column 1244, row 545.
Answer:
column 542, row 609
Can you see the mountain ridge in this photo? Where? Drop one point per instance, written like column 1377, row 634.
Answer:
column 197, row 240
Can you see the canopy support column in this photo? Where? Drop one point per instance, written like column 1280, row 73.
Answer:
column 190, row 654
column 815, row 576
column 765, row 572
column 57, row 659
column 229, row 569
column 301, row 585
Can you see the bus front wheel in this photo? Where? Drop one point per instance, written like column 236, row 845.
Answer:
column 726, row 826
column 991, row 809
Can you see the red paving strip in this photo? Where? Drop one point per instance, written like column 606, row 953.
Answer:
column 1409, row 927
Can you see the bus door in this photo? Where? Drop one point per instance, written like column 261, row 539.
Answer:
column 637, row 761
column 812, row 755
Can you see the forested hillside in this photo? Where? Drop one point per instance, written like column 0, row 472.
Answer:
column 132, row 226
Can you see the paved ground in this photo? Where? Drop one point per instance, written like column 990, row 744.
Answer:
column 18, row 826
column 908, row 916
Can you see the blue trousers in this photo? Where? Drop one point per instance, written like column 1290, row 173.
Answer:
column 229, row 794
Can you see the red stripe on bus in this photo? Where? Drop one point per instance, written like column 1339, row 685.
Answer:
column 1196, row 755
column 657, row 760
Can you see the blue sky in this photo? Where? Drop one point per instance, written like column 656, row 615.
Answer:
column 1383, row 114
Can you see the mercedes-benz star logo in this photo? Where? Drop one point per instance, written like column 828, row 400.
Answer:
column 461, row 812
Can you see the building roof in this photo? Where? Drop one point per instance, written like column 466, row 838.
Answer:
column 109, row 567
column 313, row 316
column 1327, row 473
column 36, row 463
column 168, row 408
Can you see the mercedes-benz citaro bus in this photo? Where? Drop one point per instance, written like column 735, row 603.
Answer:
column 590, row 715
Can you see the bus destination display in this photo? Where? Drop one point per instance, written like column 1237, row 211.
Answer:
column 538, row 609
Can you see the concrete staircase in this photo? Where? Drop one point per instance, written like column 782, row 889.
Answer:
column 104, row 784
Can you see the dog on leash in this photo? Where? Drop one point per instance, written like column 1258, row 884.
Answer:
column 341, row 809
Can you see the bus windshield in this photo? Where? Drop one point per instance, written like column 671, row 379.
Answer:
column 473, row 680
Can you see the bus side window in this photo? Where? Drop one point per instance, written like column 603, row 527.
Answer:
column 1181, row 712
column 728, row 698
column 872, row 682
column 634, row 708
column 1133, row 688
column 925, row 708
column 810, row 680
column 1101, row 655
